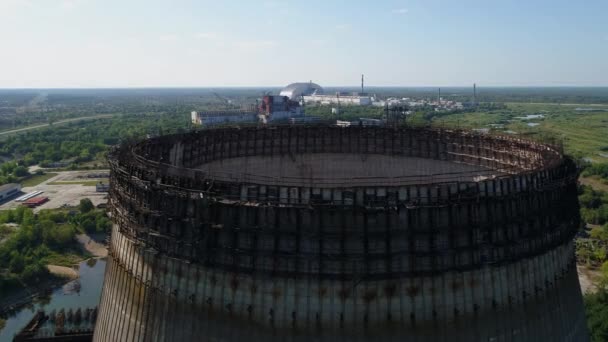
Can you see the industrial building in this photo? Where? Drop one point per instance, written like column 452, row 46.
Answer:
column 272, row 108
column 308, row 92
column 27, row 196
column 286, row 107
column 35, row 201
column 9, row 190
column 279, row 108
column 327, row 233
column 342, row 98
column 223, row 117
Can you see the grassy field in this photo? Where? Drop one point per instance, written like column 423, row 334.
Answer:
column 583, row 134
column 37, row 179
column 586, row 134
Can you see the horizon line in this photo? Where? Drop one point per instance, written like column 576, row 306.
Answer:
column 282, row 86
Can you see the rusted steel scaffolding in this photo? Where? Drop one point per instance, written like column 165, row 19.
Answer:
column 470, row 238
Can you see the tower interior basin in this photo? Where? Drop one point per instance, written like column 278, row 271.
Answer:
column 342, row 168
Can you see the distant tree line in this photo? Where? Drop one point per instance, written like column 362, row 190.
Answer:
column 83, row 142
column 10, row 172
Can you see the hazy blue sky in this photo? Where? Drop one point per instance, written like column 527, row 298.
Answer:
column 126, row 43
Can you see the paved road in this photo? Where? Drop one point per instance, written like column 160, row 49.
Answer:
column 6, row 133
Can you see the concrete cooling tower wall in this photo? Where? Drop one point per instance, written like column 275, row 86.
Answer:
column 320, row 233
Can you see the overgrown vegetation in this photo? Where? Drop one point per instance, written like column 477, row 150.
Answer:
column 594, row 205
column 584, row 135
column 80, row 144
column 43, row 238
column 592, row 249
column 5, row 231
column 596, row 169
column 596, row 307
column 11, row 172
column 592, row 243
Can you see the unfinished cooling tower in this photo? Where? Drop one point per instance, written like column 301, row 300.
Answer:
column 319, row 233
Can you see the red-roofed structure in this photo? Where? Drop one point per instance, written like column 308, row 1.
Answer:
column 35, row 201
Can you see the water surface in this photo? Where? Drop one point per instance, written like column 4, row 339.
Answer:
column 80, row 293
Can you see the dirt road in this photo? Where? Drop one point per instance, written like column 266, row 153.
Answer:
column 18, row 130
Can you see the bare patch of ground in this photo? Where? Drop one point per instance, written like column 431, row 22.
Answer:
column 93, row 245
column 588, row 279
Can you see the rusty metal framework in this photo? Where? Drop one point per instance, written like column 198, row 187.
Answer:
column 348, row 228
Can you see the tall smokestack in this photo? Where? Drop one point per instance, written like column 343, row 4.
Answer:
column 439, row 96
column 362, row 83
column 474, row 93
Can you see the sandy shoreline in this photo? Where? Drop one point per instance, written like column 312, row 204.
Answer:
column 97, row 249
column 63, row 271
column 88, row 244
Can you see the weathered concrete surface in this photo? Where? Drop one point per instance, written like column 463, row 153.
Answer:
column 169, row 300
